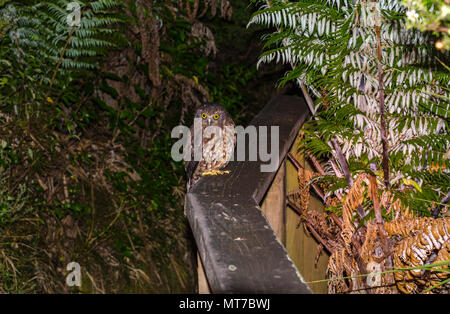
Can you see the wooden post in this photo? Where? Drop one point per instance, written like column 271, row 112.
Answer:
column 203, row 286
column 302, row 247
column 274, row 205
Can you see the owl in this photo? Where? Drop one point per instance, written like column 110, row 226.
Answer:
column 216, row 147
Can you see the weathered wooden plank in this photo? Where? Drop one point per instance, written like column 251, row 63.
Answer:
column 239, row 250
column 300, row 244
column 203, row 287
column 274, row 204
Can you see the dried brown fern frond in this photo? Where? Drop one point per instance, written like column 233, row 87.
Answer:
column 344, row 270
column 304, row 178
column 369, row 245
column 395, row 206
column 339, row 266
column 442, row 256
column 354, row 199
column 194, row 10
column 414, row 241
column 417, row 250
column 405, row 226
column 324, row 228
column 208, row 43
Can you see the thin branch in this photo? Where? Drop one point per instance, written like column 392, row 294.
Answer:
column 335, row 168
column 62, row 55
column 297, row 209
column 375, row 200
column 310, row 227
column 342, row 162
column 319, row 238
column 383, row 130
column 315, row 187
column 316, row 164
column 308, row 98
column 344, row 166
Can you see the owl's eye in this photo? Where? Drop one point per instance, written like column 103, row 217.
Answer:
column 216, row 116
column 204, row 115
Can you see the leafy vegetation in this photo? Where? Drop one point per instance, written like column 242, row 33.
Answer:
column 384, row 109
column 86, row 112
column 85, row 118
column 430, row 15
column 380, row 127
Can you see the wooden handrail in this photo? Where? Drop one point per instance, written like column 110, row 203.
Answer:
column 239, row 250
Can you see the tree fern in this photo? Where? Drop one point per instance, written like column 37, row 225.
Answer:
column 332, row 47
column 42, row 48
column 43, row 29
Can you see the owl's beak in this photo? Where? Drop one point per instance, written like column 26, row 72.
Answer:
column 209, row 120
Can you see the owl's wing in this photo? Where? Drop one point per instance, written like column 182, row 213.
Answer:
column 191, row 165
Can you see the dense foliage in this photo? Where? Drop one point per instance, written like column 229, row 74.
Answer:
column 86, row 112
column 380, row 90
column 380, row 129
column 430, row 15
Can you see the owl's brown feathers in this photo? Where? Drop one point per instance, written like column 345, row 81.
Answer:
column 216, row 152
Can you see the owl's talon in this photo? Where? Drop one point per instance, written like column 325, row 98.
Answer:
column 209, row 173
column 215, row 172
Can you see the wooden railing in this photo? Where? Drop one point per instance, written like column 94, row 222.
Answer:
column 239, row 250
